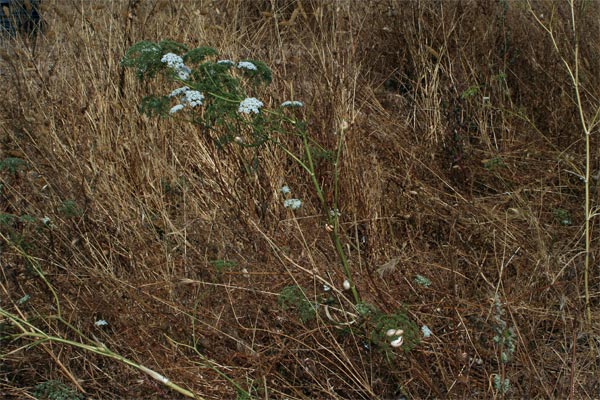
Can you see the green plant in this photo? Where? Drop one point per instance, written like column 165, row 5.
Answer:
column 294, row 297
column 70, row 209
column 562, row 216
column 16, row 228
column 505, row 340
column 13, row 165
column 55, row 390
column 422, row 281
column 214, row 97
column 470, row 92
column 382, row 325
column 493, row 163
column 221, row 265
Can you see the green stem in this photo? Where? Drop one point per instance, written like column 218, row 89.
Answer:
column 335, row 238
column 312, row 174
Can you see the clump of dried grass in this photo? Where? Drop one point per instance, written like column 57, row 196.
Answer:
column 435, row 180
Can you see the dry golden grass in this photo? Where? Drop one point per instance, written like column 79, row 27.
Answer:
column 461, row 147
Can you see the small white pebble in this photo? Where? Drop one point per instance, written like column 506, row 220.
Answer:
column 390, row 332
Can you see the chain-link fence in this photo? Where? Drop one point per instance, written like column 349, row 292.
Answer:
column 20, row 16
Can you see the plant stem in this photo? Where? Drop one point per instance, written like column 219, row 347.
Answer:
column 29, row 330
column 334, row 235
column 573, row 72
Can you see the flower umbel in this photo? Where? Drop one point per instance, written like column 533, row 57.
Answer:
column 179, row 91
column 285, row 189
column 176, row 63
column 250, row 105
column 246, row 65
column 292, row 104
column 193, row 98
column 292, row 204
column 172, row 60
column 176, row 108
column 426, row 331
column 183, row 72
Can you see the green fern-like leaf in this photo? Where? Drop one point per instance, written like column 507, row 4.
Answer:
column 155, row 105
column 145, row 57
column 13, row 164
column 262, row 74
column 197, row 55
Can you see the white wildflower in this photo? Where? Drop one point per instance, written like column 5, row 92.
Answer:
column 326, row 287
column 176, row 62
column 426, row 331
column 183, row 72
column 292, row 204
column 101, row 322
column 285, row 189
column 193, row 98
column 179, row 91
column 250, row 104
column 292, row 103
column 176, row 108
column 225, row 62
column 246, row 65
column 334, row 213
column 172, row 60
column 46, row 221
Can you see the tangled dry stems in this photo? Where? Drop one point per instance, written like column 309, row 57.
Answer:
column 461, row 142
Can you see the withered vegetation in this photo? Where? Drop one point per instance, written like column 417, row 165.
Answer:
column 462, row 163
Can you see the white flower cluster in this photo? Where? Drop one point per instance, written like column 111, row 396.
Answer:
column 292, row 204
column 250, row 104
column 426, row 331
column 176, row 63
column 192, row 98
column 179, row 91
column 292, row 104
column 172, row 60
column 176, row 108
column 246, row 65
column 225, row 62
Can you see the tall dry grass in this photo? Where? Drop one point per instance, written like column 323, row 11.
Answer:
column 460, row 164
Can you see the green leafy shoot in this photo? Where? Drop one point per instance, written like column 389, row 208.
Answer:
column 13, row 165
